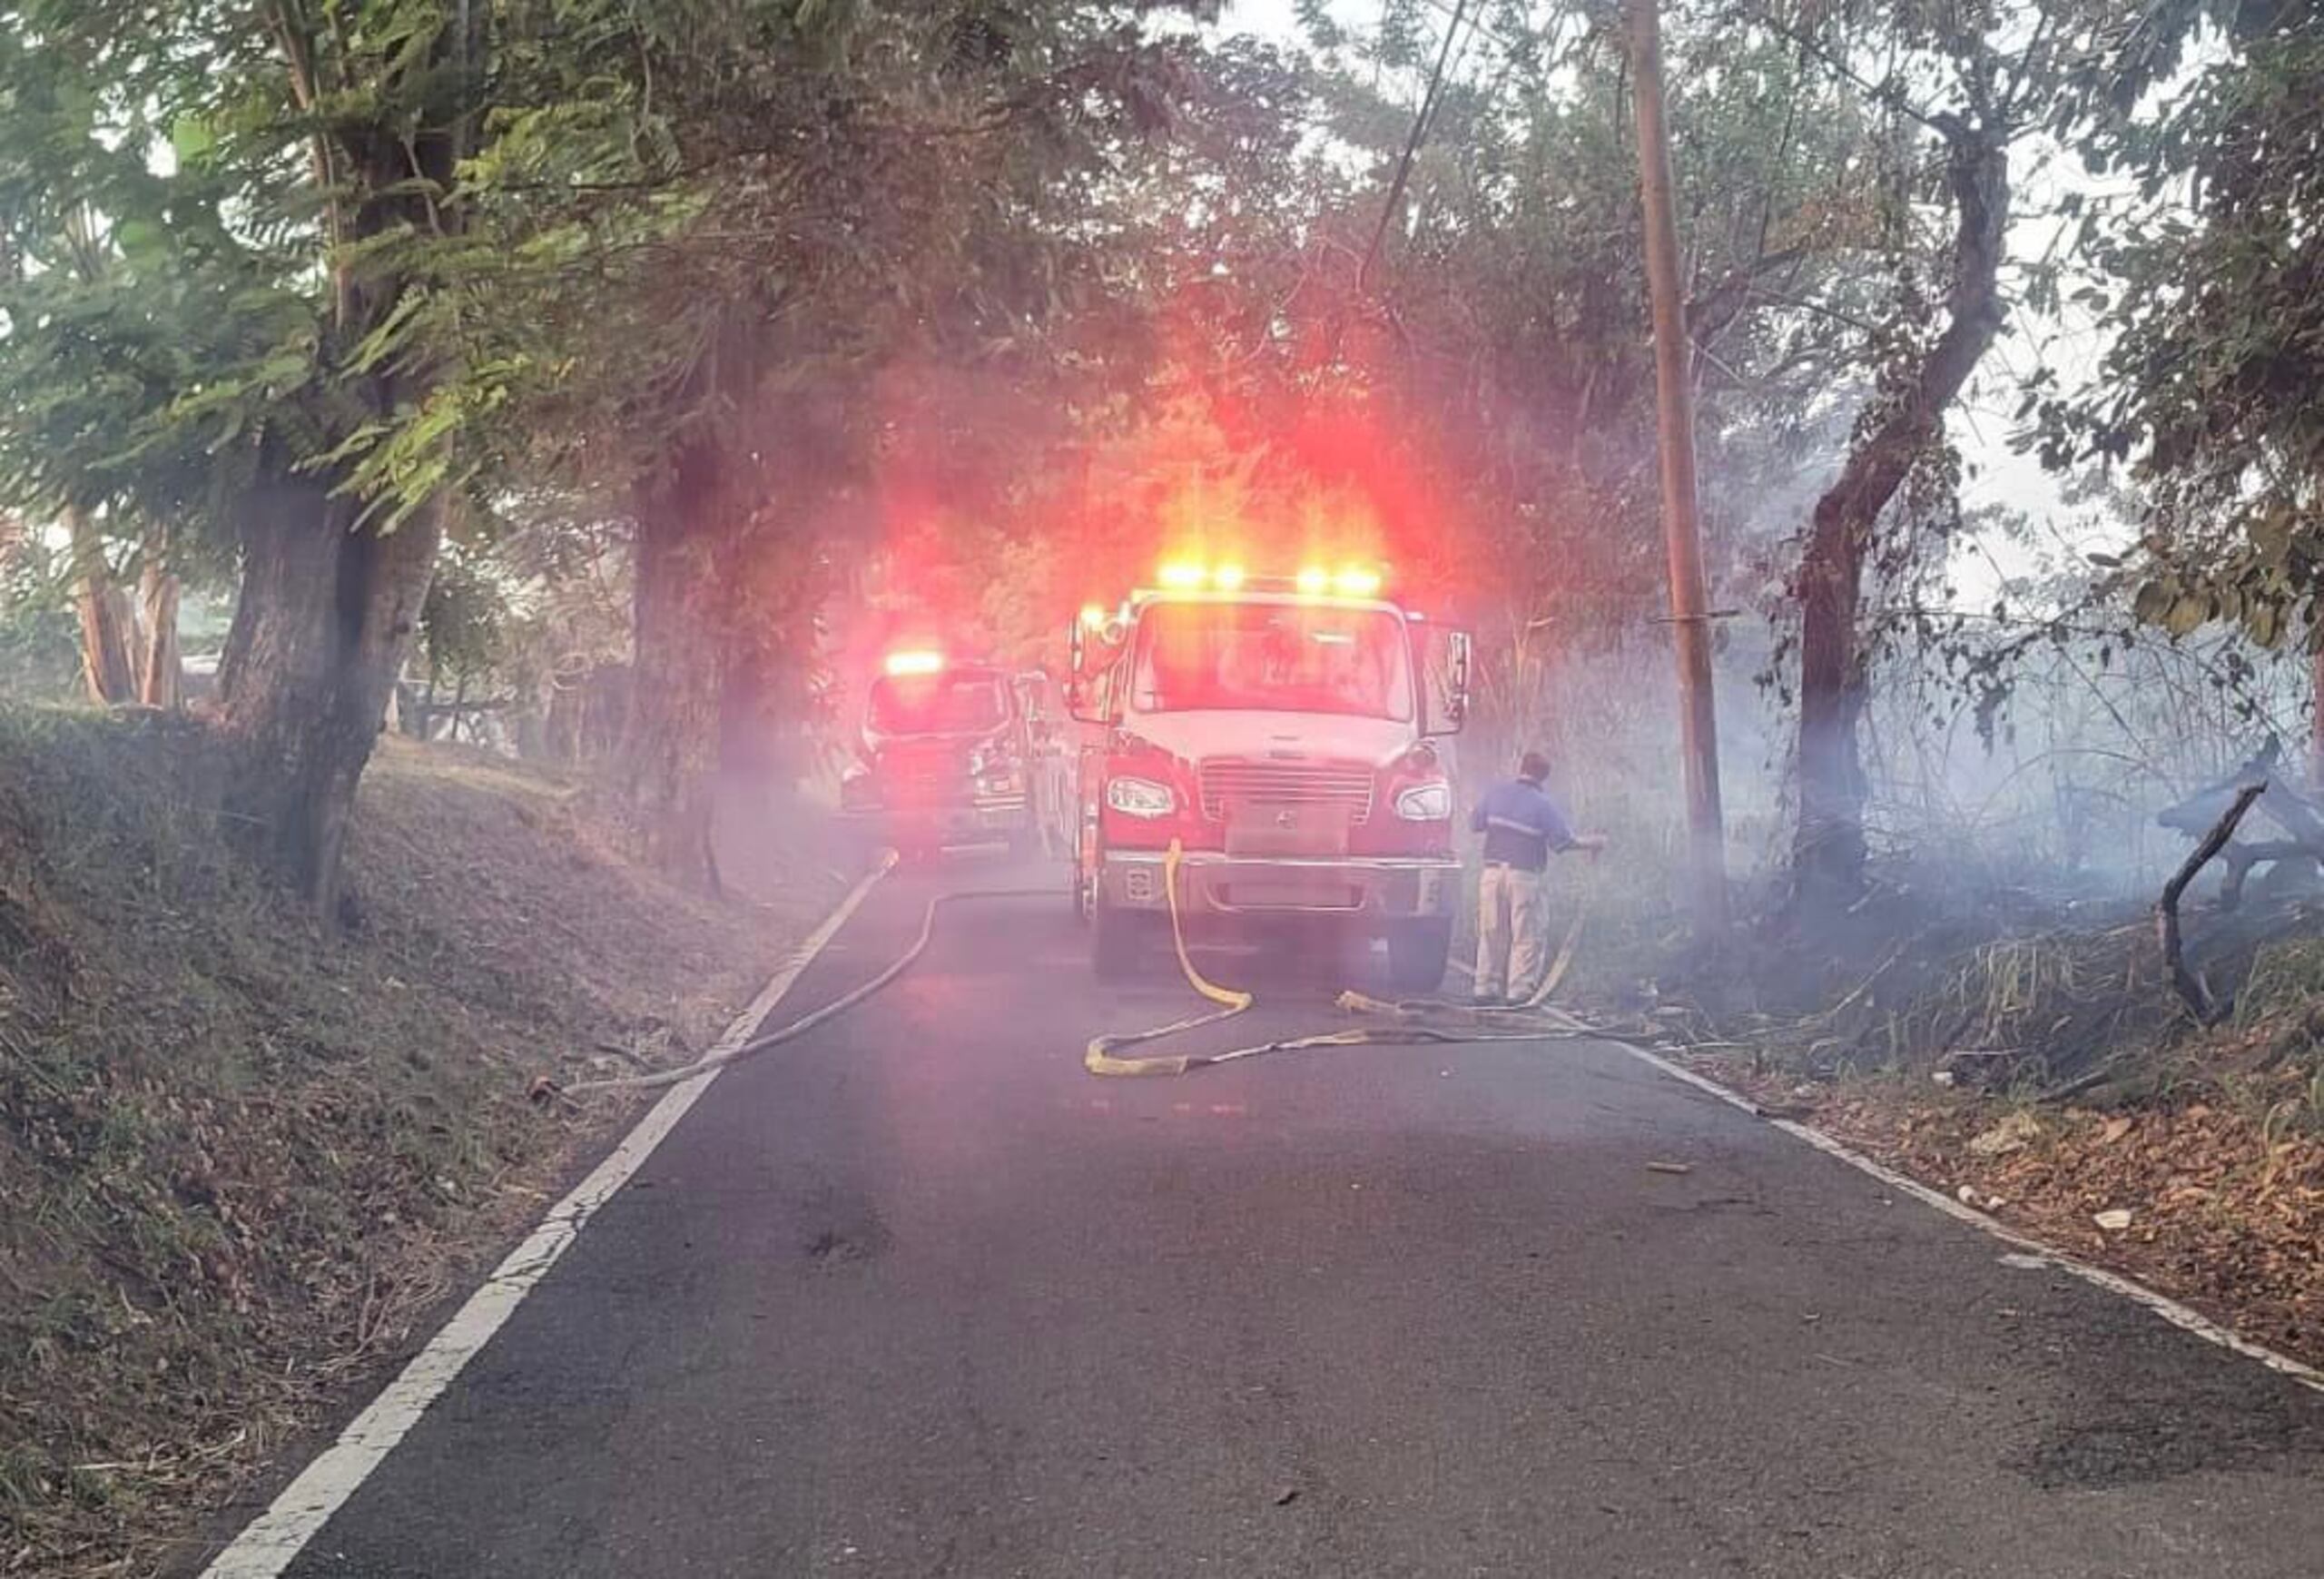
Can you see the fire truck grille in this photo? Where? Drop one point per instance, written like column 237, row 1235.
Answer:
column 1346, row 785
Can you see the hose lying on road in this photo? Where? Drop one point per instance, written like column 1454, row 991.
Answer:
column 1409, row 1020
column 544, row 1088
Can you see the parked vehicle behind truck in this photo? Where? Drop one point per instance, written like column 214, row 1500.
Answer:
column 1280, row 735
column 946, row 756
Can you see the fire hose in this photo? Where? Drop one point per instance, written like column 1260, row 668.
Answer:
column 1408, row 1019
column 1409, row 1022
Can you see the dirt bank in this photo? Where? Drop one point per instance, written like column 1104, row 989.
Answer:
column 242, row 1155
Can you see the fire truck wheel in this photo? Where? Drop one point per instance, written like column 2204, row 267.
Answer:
column 1117, row 939
column 1417, row 953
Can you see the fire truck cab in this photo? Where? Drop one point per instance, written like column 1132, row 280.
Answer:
column 947, row 756
column 1281, row 733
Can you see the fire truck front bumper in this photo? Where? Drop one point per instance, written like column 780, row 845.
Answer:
column 1379, row 888
column 986, row 814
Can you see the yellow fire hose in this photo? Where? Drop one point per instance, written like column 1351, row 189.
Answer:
column 1531, row 1021
column 544, row 1088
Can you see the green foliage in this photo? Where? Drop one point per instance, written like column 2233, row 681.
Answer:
column 464, row 624
column 40, row 641
column 215, row 220
column 2204, row 265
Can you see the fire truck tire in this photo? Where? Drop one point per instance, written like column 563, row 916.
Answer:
column 1118, row 939
column 1418, row 952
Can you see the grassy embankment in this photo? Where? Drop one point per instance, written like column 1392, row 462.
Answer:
column 243, row 1158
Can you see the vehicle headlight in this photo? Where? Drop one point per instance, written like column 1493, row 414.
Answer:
column 1140, row 797
column 1426, row 803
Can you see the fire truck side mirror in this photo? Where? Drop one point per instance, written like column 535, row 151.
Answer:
column 1447, row 669
column 1077, row 677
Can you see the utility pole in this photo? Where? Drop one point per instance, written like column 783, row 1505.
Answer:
column 1674, row 386
column 2316, row 719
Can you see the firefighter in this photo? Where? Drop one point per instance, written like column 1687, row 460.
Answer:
column 1523, row 827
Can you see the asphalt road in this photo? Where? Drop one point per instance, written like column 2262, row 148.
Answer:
column 919, row 1297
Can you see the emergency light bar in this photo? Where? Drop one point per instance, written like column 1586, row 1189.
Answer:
column 914, row 662
column 1312, row 581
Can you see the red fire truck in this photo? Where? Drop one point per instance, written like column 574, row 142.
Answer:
column 1280, row 732
column 947, row 756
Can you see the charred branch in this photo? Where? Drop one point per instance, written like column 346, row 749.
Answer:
column 2208, row 1011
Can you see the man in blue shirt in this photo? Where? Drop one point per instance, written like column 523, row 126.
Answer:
column 1522, row 828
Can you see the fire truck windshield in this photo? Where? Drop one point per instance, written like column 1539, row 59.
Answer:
column 1291, row 657
column 954, row 702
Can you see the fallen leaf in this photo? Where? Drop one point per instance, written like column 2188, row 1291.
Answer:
column 2014, row 1133
column 2113, row 1219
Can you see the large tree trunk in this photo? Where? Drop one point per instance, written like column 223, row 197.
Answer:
column 326, row 617
column 669, row 752
column 1906, row 420
column 105, row 616
column 161, row 674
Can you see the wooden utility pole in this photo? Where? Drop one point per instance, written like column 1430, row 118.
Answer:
column 1674, row 386
column 2315, row 720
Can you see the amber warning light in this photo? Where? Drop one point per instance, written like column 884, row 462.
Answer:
column 1313, row 581
column 914, row 662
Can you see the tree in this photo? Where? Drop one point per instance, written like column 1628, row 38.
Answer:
column 704, row 247
column 107, row 622
column 1963, row 84
column 1899, row 434
column 1475, row 358
column 2204, row 268
column 230, row 351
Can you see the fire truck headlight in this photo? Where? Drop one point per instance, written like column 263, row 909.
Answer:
column 1140, row 797
column 1426, row 803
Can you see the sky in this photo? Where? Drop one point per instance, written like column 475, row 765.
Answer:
column 1981, row 424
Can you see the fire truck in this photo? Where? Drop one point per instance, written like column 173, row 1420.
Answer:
column 1281, row 735
column 947, row 755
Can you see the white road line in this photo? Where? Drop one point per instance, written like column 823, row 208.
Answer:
column 264, row 1549
column 2162, row 1305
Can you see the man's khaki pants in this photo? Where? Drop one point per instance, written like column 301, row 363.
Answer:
column 1509, row 931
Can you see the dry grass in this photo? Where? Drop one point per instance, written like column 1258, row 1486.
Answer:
column 242, row 1156
column 2225, row 1191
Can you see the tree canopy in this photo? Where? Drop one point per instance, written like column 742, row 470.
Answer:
column 402, row 318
